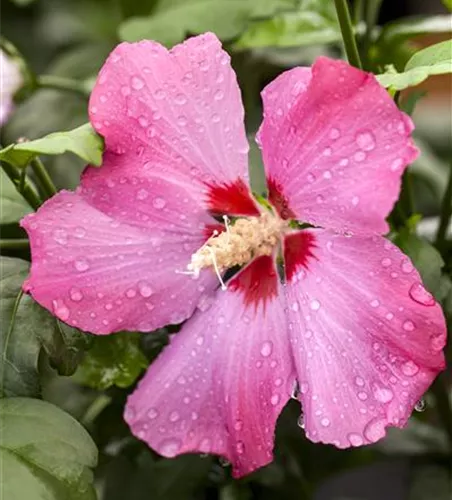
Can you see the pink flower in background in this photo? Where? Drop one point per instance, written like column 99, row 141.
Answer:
column 10, row 81
column 351, row 322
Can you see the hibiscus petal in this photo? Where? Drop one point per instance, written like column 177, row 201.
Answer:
column 367, row 337
column 96, row 271
column 334, row 146
column 178, row 112
column 221, row 384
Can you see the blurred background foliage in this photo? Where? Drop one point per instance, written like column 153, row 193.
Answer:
column 90, row 377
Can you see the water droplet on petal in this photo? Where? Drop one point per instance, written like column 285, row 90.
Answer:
column 359, row 381
column 334, row 133
column 60, row 236
column 238, row 425
column 60, row 309
column 137, row 83
column 386, row 262
column 362, row 395
column 420, row 295
column 359, row 156
column 75, row 294
column 240, row 447
column 159, row 203
column 375, row 430
column 266, row 349
column 325, row 422
column 315, row 305
column 355, row 201
column 375, row 303
column 81, row 265
column 142, row 194
column 152, row 413
column 355, row 439
column 383, row 394
column 131, row 293
column 410, row 368
column 366, row 141
column 407, row 266
column 145, row 289
column 274, row 400
column 169, row 447
column 408, row 326
column 295, row 306
column 174, row 416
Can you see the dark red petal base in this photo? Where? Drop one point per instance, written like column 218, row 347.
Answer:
column 279, row 201
column 232, row 198
column 258, row 281
column 299, row 249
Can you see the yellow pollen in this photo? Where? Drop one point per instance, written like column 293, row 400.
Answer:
column 247, row 238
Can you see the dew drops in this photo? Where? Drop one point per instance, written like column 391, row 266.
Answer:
column 365, row 141
column 295, row 306
column 180, row 99
column 327, row 174
column 60, row 236
column 375, row 303
column 215, row 118
column 159, row 203
column 362, row 395
column 125, row 90
column 408, row 325
column 311, row 178
column 420, row 405
column 300, row 421
column 174, row 416
column 420, row 295
column 219, row 94
column 238, row 425
column 182, row 121
column 383, row 394
column 81, row 265
column 355, row 201
column 75, row 294
column 325, row 422
column 266, row 349
column 359, row 156
column 334, row 133
column 410, row 368
column 142, row 194
column 169, row 447
column 137, row 83
column 396, row 164
column 152, row 413
column 274, row 400
column 407, row 266
column 374, row 430
column 315, row 305
column 386, row 262
column 359, row 381
column 131, row 293
column 200, row 340
column 355, row 439
column 319, row 199
column 145, row 289
column 159, row 94
column 60, row 309
column 240, row 448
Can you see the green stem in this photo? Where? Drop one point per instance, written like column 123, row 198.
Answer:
column 358, row 11
column 446, row 213
column 345, row 22
column 48, row 187
column 14, row 244
column 371, row 11
column 23, row 185
column 443, row 405
column 61, row 83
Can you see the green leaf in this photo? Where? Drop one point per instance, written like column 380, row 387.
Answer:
column 433, row 60
column 113, row 360
column 26, row 329
column 82, row 141
column 172, row 20
column 314, row 23
column 45, row 453
column 447, row 4
column 425, row 257
column 410, row 27
column 12, row 205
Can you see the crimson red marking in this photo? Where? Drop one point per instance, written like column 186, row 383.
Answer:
column 298, row 251
column 210, row 229
column 279, row 201
column 258, row 281
column 232, row 198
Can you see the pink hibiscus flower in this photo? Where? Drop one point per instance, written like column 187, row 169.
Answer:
column 137, row 247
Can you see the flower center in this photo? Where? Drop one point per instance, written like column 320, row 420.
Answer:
column 246, row 239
